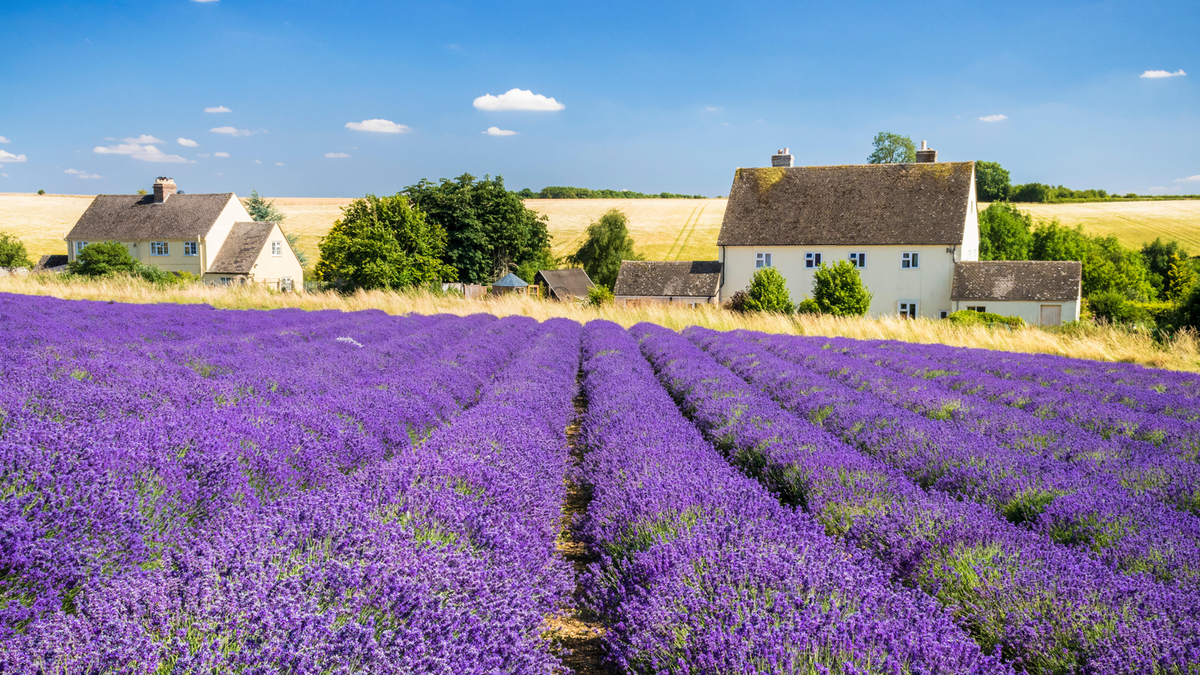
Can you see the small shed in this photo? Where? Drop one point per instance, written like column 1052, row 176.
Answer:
column 690, row 282
column 510, row 283
column 1039, row 291
column 565, row 285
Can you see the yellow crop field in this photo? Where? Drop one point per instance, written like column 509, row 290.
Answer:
column 41, row 221
column 1133, row 223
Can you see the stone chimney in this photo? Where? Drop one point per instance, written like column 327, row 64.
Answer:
column 163, row 187
column 926, row 155
column 782, row 158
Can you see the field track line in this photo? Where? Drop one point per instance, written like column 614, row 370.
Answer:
column 681, row 231
column 690, row 232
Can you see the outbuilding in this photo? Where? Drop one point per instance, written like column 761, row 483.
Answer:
column 690, row 282
column 1039, row 291
column 565, row 285
column 509, row 283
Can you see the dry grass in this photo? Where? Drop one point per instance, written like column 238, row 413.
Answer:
column 1133, row 223
column 1100, row 343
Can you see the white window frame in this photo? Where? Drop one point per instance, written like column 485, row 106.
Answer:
column 910, row 260
column 191, row 248
column 982, row 309
column 859, row 259
column 276, row 249
column 909, row 309
column 79, row 246
column 812, row 260
column 762, row 260
column 159, row 248
column 225, row 281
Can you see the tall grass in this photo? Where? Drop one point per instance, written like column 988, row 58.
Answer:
column 1181, row 352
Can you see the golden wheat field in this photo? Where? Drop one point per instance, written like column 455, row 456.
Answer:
column 1133, row 223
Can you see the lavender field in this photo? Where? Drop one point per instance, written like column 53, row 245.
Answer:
column 190, row 490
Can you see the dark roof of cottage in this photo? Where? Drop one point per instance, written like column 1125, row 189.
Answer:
column 871, row 204
column 700, row 278
column 241, row 248
column 511, row 280
column 132, row 217
column 51, row 261
column 563, row 283
column 1032, row 280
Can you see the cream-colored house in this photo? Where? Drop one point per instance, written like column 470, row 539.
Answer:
column 209, row 235
column 906, row 227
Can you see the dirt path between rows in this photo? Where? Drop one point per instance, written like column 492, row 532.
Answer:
column 578, row 631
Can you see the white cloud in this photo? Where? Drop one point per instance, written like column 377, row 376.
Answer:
column 4, row 140
column 517, row 99
column 497, row 131
column 220, row 154
column 336, row 155
column 258, row 161
column 278, row 163
column 4, row 174
column 379, row 126
column 145, row 153
column 82, row 174
column 1156, row 74
column 217, row 109
column 232, row 131
column 713, row 109
column 993, row 118
column 203, row 154
column 8, row 157
column 186, row 142
column 144, row 139
column 1189, row 179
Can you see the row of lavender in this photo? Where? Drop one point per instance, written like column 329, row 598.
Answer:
column 188, row 490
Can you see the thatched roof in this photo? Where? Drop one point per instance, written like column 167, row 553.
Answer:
column 134, row 217
column 241, row 248
column 700, row 279
column 1031, row 280
column 872, row 204
column 566, row 284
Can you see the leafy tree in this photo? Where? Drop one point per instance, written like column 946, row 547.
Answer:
column 1159, row 257
column 41, row 192
column 489, row 231
column 1031, row 192
column 992, row 182
column 529, row 269
column 1107, row 265
column 383, row 242
column 1187, row 314
column 13, row 252
column 607, row 244
column 892, row 149
column 838, row 290
column 1055, row 241
column 1181, row 278
column 103, row 258
column 1005, row 233
column 262, row 210
column 768, row 292
column 598, row 296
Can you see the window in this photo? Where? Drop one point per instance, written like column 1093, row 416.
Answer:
column 277, row 248
column 79, row 246
column 976, row 308
column 908, row 310
column 811, row 260
column 158, row 248
column 909, row 261
column 943, row 313
column 762, row 260
column 859, row 260
column 225, row 281
column 191, row 248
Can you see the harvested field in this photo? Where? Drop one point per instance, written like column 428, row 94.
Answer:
column 1133, row 223
column 41, row 221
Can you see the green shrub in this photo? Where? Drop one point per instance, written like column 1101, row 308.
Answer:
column 1115, row 307
column 598, row 296
column 13, row 252
column 768, row 292
column 970, row 317
column 808, row 306
column 839, row 290
column 103, row 258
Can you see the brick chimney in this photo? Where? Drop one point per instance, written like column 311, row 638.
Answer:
column 926, row 155
column 782, row 158
column 163, row 187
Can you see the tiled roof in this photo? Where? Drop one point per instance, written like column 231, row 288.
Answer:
column 872, row 204
column 700, row 278
column 133, row 217
column 241, row 248
column 565, row 284
column 1033, row 280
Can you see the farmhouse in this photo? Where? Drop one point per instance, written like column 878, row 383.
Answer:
column 688, row 282
column 565, row 285
column 906, row 227
column 209, row 235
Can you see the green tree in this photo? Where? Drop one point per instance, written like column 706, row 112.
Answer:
column 1187, row 314
column 1005, row 233
column 892, row 149
column 13, row 252
column 838, row 290
column 768, row 292
column 992, row 182
column 607, row 244
column 1031, row 192
column 262, row 210
column 489, row 231
column 1107, row 265
column 103, row 258
column 1180, row 279
column 383, row 242
column 1159, row 257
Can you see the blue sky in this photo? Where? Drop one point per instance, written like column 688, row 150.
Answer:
column 653, row 96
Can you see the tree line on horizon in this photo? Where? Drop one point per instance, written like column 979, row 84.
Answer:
column 562, row 192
